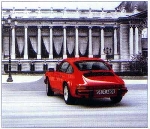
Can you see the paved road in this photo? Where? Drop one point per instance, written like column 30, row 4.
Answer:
column 26, row 105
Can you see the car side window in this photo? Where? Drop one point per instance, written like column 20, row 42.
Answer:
column 66, row 68
column 70, row 69
column 63, row 67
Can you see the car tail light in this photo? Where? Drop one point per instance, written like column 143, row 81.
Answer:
column 84, row 91
column 81, row 87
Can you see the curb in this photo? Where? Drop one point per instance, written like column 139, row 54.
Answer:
column 136, row 81
column 29, row 78
column 21, row 79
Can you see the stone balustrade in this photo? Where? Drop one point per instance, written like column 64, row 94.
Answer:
column 65, row 13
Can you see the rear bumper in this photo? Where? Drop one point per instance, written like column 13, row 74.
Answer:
column 122, row 92
column 92, row 93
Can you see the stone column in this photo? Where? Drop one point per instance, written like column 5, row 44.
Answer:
column 124, row 42
column 51, row 43
column 136, row 40
column 77, row 43
column 13, row 54
column 102, row 43
column 26, row 43
column 131, row 41
column 39, row 43
column 64, row 45
column 140, row 41
column 90, row 42
column 116, row 56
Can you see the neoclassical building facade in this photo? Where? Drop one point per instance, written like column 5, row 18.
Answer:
column 45, row 36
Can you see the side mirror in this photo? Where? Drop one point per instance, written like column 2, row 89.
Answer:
column 51, row 69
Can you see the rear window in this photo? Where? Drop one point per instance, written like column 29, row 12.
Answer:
column 91, row 65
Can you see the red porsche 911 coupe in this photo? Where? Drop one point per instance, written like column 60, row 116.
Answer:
column 84, row 78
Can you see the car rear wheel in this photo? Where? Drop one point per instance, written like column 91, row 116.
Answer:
column 67, row 96
column 48, row 89
column 116, row 99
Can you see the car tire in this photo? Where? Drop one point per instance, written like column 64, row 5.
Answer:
column 116, row 99
column 48, row 89
column 67, row 96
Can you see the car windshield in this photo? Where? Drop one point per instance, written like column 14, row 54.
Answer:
column 91, row 65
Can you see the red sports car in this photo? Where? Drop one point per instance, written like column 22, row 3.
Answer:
column 84, row 78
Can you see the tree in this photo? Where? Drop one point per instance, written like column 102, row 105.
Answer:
column 138, row 63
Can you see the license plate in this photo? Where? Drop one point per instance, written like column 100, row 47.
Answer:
column 105, row 91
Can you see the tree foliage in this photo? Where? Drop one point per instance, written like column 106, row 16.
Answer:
column 138, row 63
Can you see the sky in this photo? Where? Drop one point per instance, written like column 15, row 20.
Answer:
column 106, row 5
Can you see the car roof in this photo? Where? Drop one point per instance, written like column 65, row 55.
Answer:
column 71, row 60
